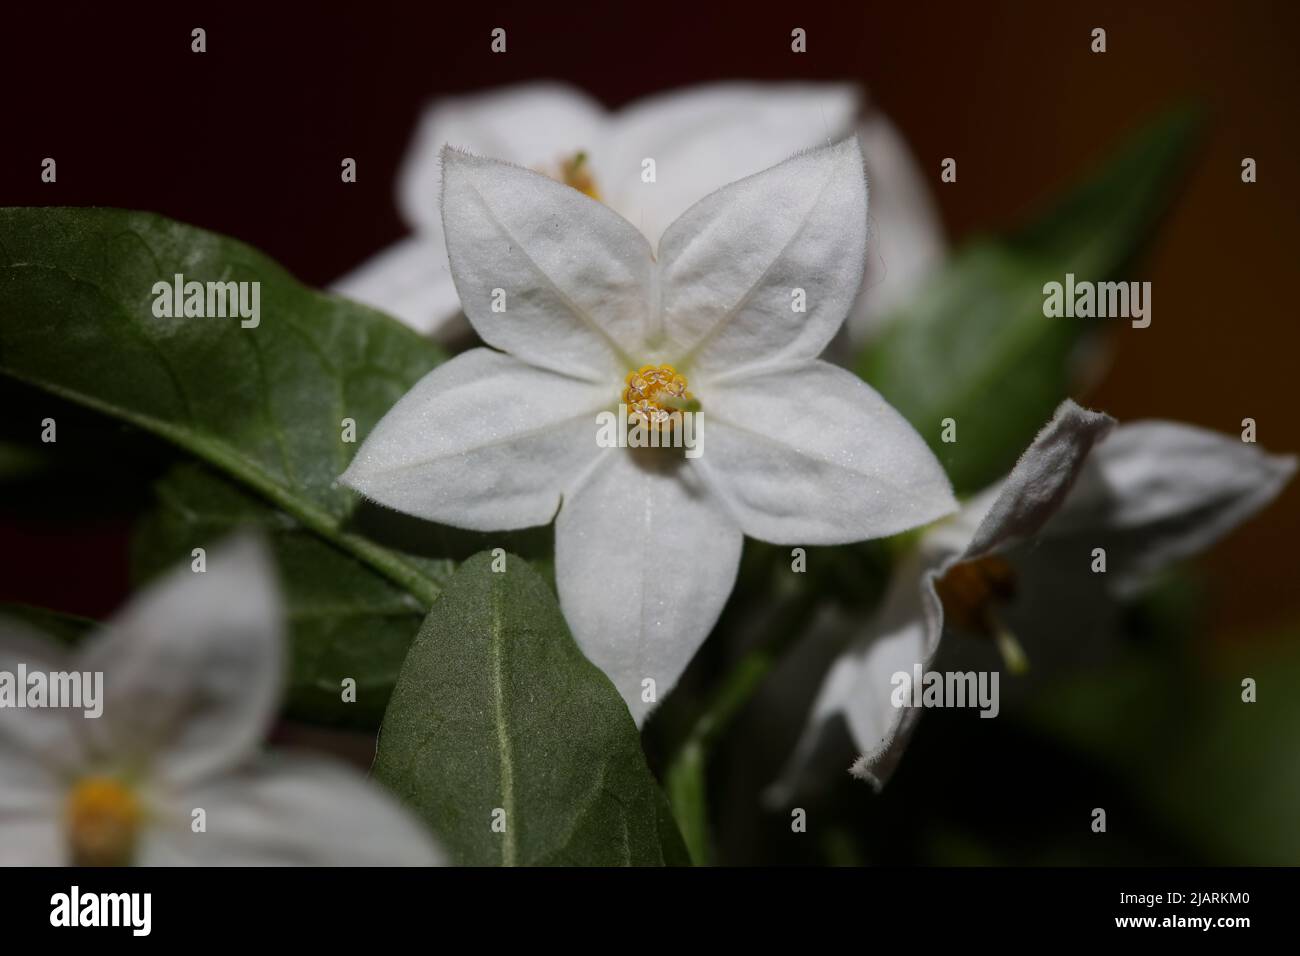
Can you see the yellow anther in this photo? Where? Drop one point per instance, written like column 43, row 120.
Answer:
column 655, row 394
column 972, row 592
column 970, row 589
column 576, row 172
column 103, row 818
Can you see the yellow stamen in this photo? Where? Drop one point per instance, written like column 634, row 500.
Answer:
column 103, row 817
column 969, row 590
column 972, row 593
column 656, row 395
column 576, row 172
column 1013, row 655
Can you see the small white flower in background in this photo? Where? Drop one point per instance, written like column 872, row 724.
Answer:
column 796, row 451
column 700, row 139
column 193, row 669
column 1148, row 492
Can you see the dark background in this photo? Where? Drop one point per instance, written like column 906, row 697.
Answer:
column 246, row 139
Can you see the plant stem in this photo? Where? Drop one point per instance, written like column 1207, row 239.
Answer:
column 686, row 777
column 685, row 785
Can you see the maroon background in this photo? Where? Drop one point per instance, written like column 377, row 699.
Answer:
column 247, row 138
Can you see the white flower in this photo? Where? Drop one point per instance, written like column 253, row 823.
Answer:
column 796, row 450
column 700, row 139
column 192, row 672
column 1148, row 493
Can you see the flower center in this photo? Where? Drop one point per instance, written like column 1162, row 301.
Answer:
column 656, row 395
column 971, row 591
column 576, row 172
column 103, row 818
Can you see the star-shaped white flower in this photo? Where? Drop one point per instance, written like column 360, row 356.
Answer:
column 700, row 139
column 192, row 672
column 796, row 451
column 1147, row 493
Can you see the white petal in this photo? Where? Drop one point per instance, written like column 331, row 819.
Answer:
column 1157, row 491
column 880, row 729
column 33, row 839
column 1031, row 495
column 192, row 667
column 38, row 746
column 290, row 810
column 575, row 279
column 532, row 125
column 644, row 561
column 732, row 264
column 704, row 137
column 409, row 280
column 903, row 633
column 40, row 752
column 484, row 441
column 1038, row 485
column 810, row 454
column 906, row 241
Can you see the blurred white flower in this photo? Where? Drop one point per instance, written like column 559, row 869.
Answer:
column 700, row 139
column 193, row 669
column 648, row 541
column 1148, row 493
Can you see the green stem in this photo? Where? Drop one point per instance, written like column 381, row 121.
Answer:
column 685, row 785
column 686, row 776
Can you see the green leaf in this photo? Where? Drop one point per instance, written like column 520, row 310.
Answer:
column 65, row 629
column 497, row 709
column 975, row 346
column 345, row 620
column 264, row 405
